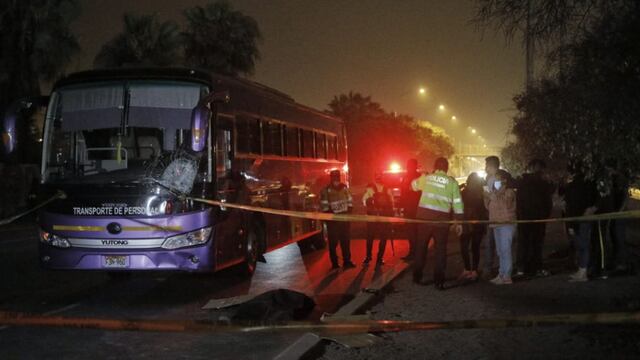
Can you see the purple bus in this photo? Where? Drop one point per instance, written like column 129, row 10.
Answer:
column 131, row 147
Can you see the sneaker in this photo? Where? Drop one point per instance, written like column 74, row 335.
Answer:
column 335, row 266
column 579, row 276
column 348, row 265
column 464, row 276
column 500, row 280
column 379, row 262
column 519, row 274
column 366, row 261
column 543, row 273
column 473, row 275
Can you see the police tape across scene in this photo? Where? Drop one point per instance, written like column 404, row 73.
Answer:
column 631, row 214
column 332, row 327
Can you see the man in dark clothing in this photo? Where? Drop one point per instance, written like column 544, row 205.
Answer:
column 379, row 202
column 581, row 197
column 534, row 201
column 620, row 195
column 409, row 202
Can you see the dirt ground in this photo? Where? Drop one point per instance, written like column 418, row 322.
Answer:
column 482, row 300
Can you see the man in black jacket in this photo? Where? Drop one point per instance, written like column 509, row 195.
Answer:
column 409, row 202
column 534, row 201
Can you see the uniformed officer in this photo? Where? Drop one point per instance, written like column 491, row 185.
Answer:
column 440, row 201
column 336, row 199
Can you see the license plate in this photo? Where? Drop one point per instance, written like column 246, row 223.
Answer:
column 115, row 261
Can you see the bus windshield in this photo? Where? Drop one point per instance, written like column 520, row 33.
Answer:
column 109, row 131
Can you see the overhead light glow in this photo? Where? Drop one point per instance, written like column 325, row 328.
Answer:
column 394, row 167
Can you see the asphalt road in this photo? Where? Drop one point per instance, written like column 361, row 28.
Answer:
column 24, row 287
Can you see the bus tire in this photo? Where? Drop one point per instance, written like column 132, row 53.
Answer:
column 252, row 250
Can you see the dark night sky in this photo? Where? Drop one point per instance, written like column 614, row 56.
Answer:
column 314, row 50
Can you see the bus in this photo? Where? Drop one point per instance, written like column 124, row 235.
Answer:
column 132, row 148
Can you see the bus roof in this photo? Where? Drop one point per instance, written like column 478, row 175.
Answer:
column 186, row 74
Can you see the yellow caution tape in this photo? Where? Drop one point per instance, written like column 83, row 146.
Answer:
column 58, row 195
column 334, row 327
column 397, row 220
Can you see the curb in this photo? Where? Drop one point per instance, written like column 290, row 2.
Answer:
column 309, row 341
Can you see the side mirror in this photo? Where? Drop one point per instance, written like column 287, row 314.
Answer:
column 200, row 118
column 199, row 126
column 11, row 116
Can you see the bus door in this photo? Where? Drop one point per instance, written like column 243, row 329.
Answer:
column 230, row 189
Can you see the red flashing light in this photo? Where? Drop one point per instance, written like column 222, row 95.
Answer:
column 394, row 167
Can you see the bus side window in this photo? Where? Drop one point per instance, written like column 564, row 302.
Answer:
column 307, row 144
column 272, row 137
column 293, row 141
column 332, row 145
column 321, row 146
column 248, row 135
column 342, row 146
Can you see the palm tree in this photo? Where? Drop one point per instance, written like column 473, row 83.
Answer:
column 221, row 39
column 36, row 44
column 143, row 41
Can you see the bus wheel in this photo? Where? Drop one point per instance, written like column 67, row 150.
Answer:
column 252, row 252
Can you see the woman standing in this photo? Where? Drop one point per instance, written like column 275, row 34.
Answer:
column 474, row 209
column 500, row 200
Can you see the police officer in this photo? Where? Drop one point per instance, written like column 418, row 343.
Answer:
column 336, row 199
column 379, row 201
column 440, row 198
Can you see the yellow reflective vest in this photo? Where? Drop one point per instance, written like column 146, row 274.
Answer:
column 440, row 193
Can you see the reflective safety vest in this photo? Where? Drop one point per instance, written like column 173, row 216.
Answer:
column 336, row 200
column 440, row 193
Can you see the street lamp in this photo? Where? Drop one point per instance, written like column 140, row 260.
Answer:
column 422, row 91
column 473, row 131
column 441, row 107
column 454, row 118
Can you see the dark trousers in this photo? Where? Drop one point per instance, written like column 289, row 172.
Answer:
column 474, row 239
column 381, row 231
column 530, row 244
column 339, row 232
column 412, row 237
column 412, row 233
column 440, row 235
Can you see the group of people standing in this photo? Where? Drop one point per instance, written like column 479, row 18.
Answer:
column 499, row 198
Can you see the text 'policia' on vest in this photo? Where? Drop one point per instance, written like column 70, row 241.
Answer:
column 440, row 196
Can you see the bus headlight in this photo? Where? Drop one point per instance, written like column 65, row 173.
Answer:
column 197, row 237
column 54, row 240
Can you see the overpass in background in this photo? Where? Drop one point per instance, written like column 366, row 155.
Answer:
column 469, row 158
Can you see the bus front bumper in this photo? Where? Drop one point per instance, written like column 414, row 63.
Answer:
column 191, row 259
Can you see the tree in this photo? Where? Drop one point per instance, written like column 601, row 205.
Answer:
column 377, row 138
column 36, row 45
column 549, row 20
column 144, row 41
column 221, row 39
column 587, row 113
